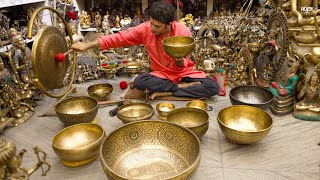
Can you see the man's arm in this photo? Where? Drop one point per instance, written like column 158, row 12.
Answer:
column 83, row 46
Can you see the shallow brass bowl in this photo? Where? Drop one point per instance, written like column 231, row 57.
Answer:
column 197, row 104
column 251, row 95
column 133, row 67
column 178, row 46
column 244, row 124
column 150, row 150
column 255, row 47
column 79, row 144
column 76, row 110
column 164, row 108
column 134, row 112
column 196, row 120
column 100, row 91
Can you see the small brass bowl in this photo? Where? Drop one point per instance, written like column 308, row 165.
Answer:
column 135, row 112
column 197, row 104
column 164, row 108
column 79, row 144
column 196, row 120
column 255, row 47
column 133, row 67
column 243, row 124
column 150, row 150
column 178, row 46
column 76, row 110
column 251, row 95
column 100, row 91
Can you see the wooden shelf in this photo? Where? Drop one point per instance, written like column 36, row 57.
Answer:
column 9, row 3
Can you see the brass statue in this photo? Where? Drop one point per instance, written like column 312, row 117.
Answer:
column 302, row 12
column 98, row 19
column 10, row 162
column 117, row 24
column 75, row 35
column 85, row 20
column 308, row 107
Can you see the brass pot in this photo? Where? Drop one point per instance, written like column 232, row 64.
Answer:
column 135, row 112
column 251, row 95
column 306, row 37
column 244, row 124
column 164, row 108
column 100, row 91
column 150, row 150
column 196, row 120
column 178, row 46
column 79, row 144
column 76, row 110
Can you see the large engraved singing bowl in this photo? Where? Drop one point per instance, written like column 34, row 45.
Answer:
column 178, row 46
column 251, row 95
column 243, row 124
column 100, row 91
column 76, row 110
column 196, row 120
column 135, row 112
column 164, row 108
column 150, row 150
column 79, row 144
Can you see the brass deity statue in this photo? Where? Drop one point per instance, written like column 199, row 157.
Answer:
column 308, row 107
column 85, row 20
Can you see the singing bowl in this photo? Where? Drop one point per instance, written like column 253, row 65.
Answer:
column 150, row 150
column 178, row 46
column 196, row 120
column 197, row 104
column 79, row 144
column 164, row 108
column 251, row 95
column 135, row 112
column 76, row 110
column 133, row 67
column 100, row 91
column 244, row 124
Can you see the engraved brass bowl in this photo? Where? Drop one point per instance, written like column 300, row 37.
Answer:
column 178, row 46
column 133, row 67
column 135, row 112
column 255, row 47
column 251, row 95
column 150, row 150
column 100, row 91
column 243, row 124
column 197, row 104
column 79, row 144
column 76, row 110
column 164, row 108
column 196, row 120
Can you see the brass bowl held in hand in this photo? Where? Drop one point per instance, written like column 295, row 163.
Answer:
column 251, row 95
column 197, row 104
column 178, row 46
column 196, row 120
column 100, row 91
column 135, row 112
column 150, row 150
column 79, row 144
column 243, row 124
column 76, row 110
column 164, row 108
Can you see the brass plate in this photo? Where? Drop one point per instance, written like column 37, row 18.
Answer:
column 48, row 42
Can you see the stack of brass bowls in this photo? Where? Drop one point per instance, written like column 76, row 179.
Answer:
column 243, row 124
column 197, row 104
column 79, row 144
column 178, row 46
column 164, row 108
column 135, row 112
column 196, row 120
column 76, row 110
column 150, row 150
column 100, row 91
column 251, row 95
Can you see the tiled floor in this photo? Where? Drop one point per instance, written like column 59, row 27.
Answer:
column 290, row 151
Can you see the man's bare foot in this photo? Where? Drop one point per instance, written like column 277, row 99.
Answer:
column 185, row 85
column 159, row 94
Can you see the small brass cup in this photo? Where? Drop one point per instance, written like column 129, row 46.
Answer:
column 164, row 108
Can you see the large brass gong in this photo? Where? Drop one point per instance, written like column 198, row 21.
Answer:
column 49, row 41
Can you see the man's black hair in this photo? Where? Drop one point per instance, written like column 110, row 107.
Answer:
column 162, row 11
